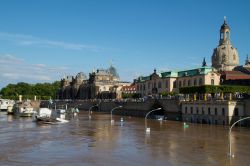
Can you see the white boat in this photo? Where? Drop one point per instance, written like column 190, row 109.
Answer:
column 5, row 103
column 49, row 116
column 24, row 109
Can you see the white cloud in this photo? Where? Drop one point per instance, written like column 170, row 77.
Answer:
column 15, row 70
column 28, row 40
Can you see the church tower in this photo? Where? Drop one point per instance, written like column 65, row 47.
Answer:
column 225, row 57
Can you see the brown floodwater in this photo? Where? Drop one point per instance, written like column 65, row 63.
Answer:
column 97, row 142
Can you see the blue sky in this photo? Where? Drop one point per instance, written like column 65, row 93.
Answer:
column 42, row 40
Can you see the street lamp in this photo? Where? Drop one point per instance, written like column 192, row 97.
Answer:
column 112, row 121
column 148, row 128
column 91, row 108
column 229, row 136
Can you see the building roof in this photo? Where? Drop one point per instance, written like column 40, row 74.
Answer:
column 169, row 74
column 198, row 71
column 234, row 75
column 193, row 72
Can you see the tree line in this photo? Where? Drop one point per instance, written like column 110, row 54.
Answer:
column 43, row 91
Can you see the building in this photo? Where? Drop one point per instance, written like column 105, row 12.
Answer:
column 212, row 112
column 101, row 84
column 170, row 81
column 225, row 57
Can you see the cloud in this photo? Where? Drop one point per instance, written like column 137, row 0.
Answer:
column 15, row 70
column 28, row 40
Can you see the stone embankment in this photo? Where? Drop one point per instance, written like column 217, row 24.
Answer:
column 170, row 108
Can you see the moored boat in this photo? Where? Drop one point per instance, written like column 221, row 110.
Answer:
column 5, row 103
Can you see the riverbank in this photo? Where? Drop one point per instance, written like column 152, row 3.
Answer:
column 138, row 108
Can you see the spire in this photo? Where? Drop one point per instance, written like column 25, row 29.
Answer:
column 247, row 61
column 224, row 33
column 204, row 63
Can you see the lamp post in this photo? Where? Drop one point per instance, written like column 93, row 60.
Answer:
column 112, row 121
column 148, row 129
column 229, row 136
column 91, row 108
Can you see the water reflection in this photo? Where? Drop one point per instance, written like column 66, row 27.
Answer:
column 96, row 142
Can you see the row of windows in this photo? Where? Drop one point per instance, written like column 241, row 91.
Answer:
column 192, row 111
column 195, row 82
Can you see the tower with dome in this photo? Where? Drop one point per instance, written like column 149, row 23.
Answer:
column 225, row 57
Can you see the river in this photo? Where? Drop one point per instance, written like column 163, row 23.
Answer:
column 97, row 142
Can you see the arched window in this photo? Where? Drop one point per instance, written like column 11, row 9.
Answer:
column 179, row 84
column 200, row 81
column 159, row 84
column 212, row 81
column 227, row 35
column 174, row 86
column 166, row 83
column 194, row 82
column 221, row 35
column 189, row 83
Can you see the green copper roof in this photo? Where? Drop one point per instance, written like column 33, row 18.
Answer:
column 169, row 74
column 193, row 72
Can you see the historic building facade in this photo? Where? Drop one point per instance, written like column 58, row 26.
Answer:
column 212, row 112
column 158, row 83
column 102, row 84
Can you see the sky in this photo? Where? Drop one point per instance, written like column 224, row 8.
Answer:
column 44, row 40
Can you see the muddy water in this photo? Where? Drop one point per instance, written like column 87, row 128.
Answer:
column 96, row 142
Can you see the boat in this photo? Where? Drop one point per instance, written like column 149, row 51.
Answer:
column 47, row 115
column 24, row 109
column 5, row 103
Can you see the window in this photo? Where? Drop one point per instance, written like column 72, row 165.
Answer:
column 189, row 84
column 236, row 112
column 149, row 85
column 200, row 81
column 191, row 108
column 166, row 83
column 212, row 81
column 221, row 35
column 179, row 84
column 184, row 83
column 154, row 84
column 174, row 84
column 197, row 110
column 215, row 111
column 138, row 88
column 159, row 84
column 185, row 110
column 202, row 110
column 144, row 87
column 194, row 82
column 209, row 112
column 227, row 35
column 223, row 111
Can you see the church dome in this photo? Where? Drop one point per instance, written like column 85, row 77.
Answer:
column 225, row 57
column 112, row 70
